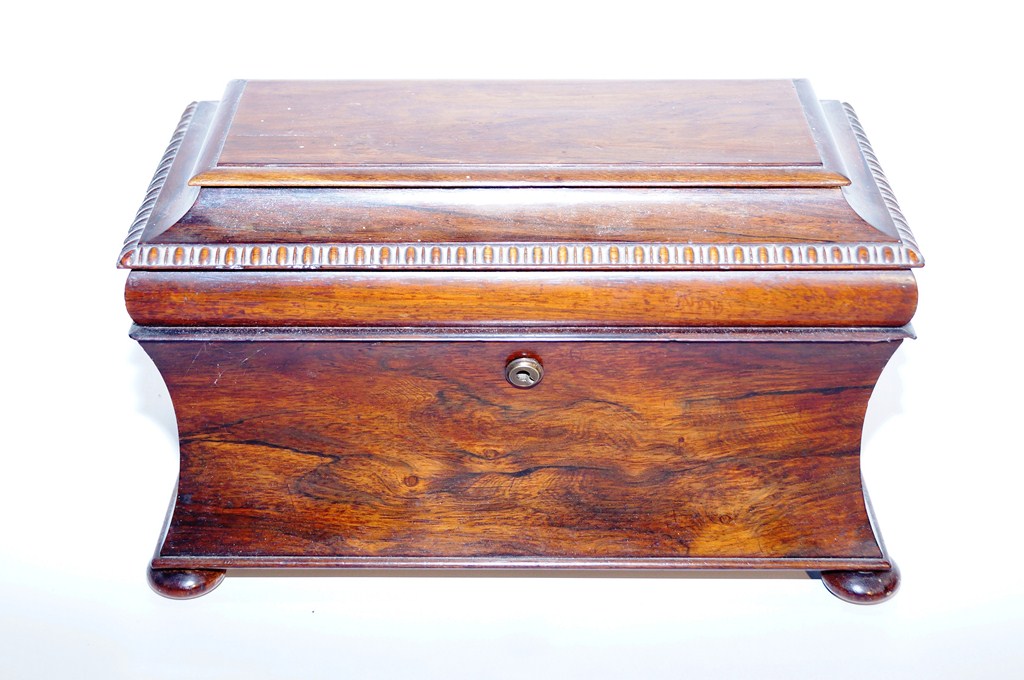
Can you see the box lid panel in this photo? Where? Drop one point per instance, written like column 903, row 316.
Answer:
column 517, row 133
column 837, row 220
column 498, row 215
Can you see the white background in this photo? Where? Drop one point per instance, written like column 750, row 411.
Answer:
column 92, row 92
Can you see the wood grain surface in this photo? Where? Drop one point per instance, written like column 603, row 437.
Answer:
column 267, row 226
column 517, row 299
column 519, row 132
column 728, row 451
column 712, row 275
column 324, row 215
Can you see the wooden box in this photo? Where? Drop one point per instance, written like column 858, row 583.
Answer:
column 518, row 325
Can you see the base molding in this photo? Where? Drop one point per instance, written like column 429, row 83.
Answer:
column 641, row 564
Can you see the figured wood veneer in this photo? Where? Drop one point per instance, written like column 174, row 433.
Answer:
column 492, row 215
column 337, row 450
column 333, row 276
column 530, row 133
column 517, row 299
column 856, row 226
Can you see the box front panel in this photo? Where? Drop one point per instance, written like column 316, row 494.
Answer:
column 423, row 449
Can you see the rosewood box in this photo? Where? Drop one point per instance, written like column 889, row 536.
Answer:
column 552, row 325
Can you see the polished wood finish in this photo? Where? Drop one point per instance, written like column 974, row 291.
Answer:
column 565, row 133
column 422, row 449
column 518, row 299
column 332, row 277
column 857, row 225
column 346, row 215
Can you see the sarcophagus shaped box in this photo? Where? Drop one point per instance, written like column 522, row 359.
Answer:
column 520, row 325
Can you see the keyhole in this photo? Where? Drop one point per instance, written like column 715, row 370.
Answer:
column 524, row 372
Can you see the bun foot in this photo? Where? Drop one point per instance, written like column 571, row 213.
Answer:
column 862, row 587
column 184, row 584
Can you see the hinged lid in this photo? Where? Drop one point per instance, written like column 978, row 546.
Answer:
column 519, row 175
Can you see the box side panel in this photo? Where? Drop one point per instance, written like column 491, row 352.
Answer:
column 349, row 450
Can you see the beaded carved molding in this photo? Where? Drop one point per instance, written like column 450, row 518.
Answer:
column 520, row 256
column 536, row 255
column 906, row 236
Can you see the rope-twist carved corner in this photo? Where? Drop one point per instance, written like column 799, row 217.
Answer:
column 902, row 227
column 131, row 242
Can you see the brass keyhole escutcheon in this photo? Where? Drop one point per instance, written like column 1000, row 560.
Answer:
column 524, row 372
